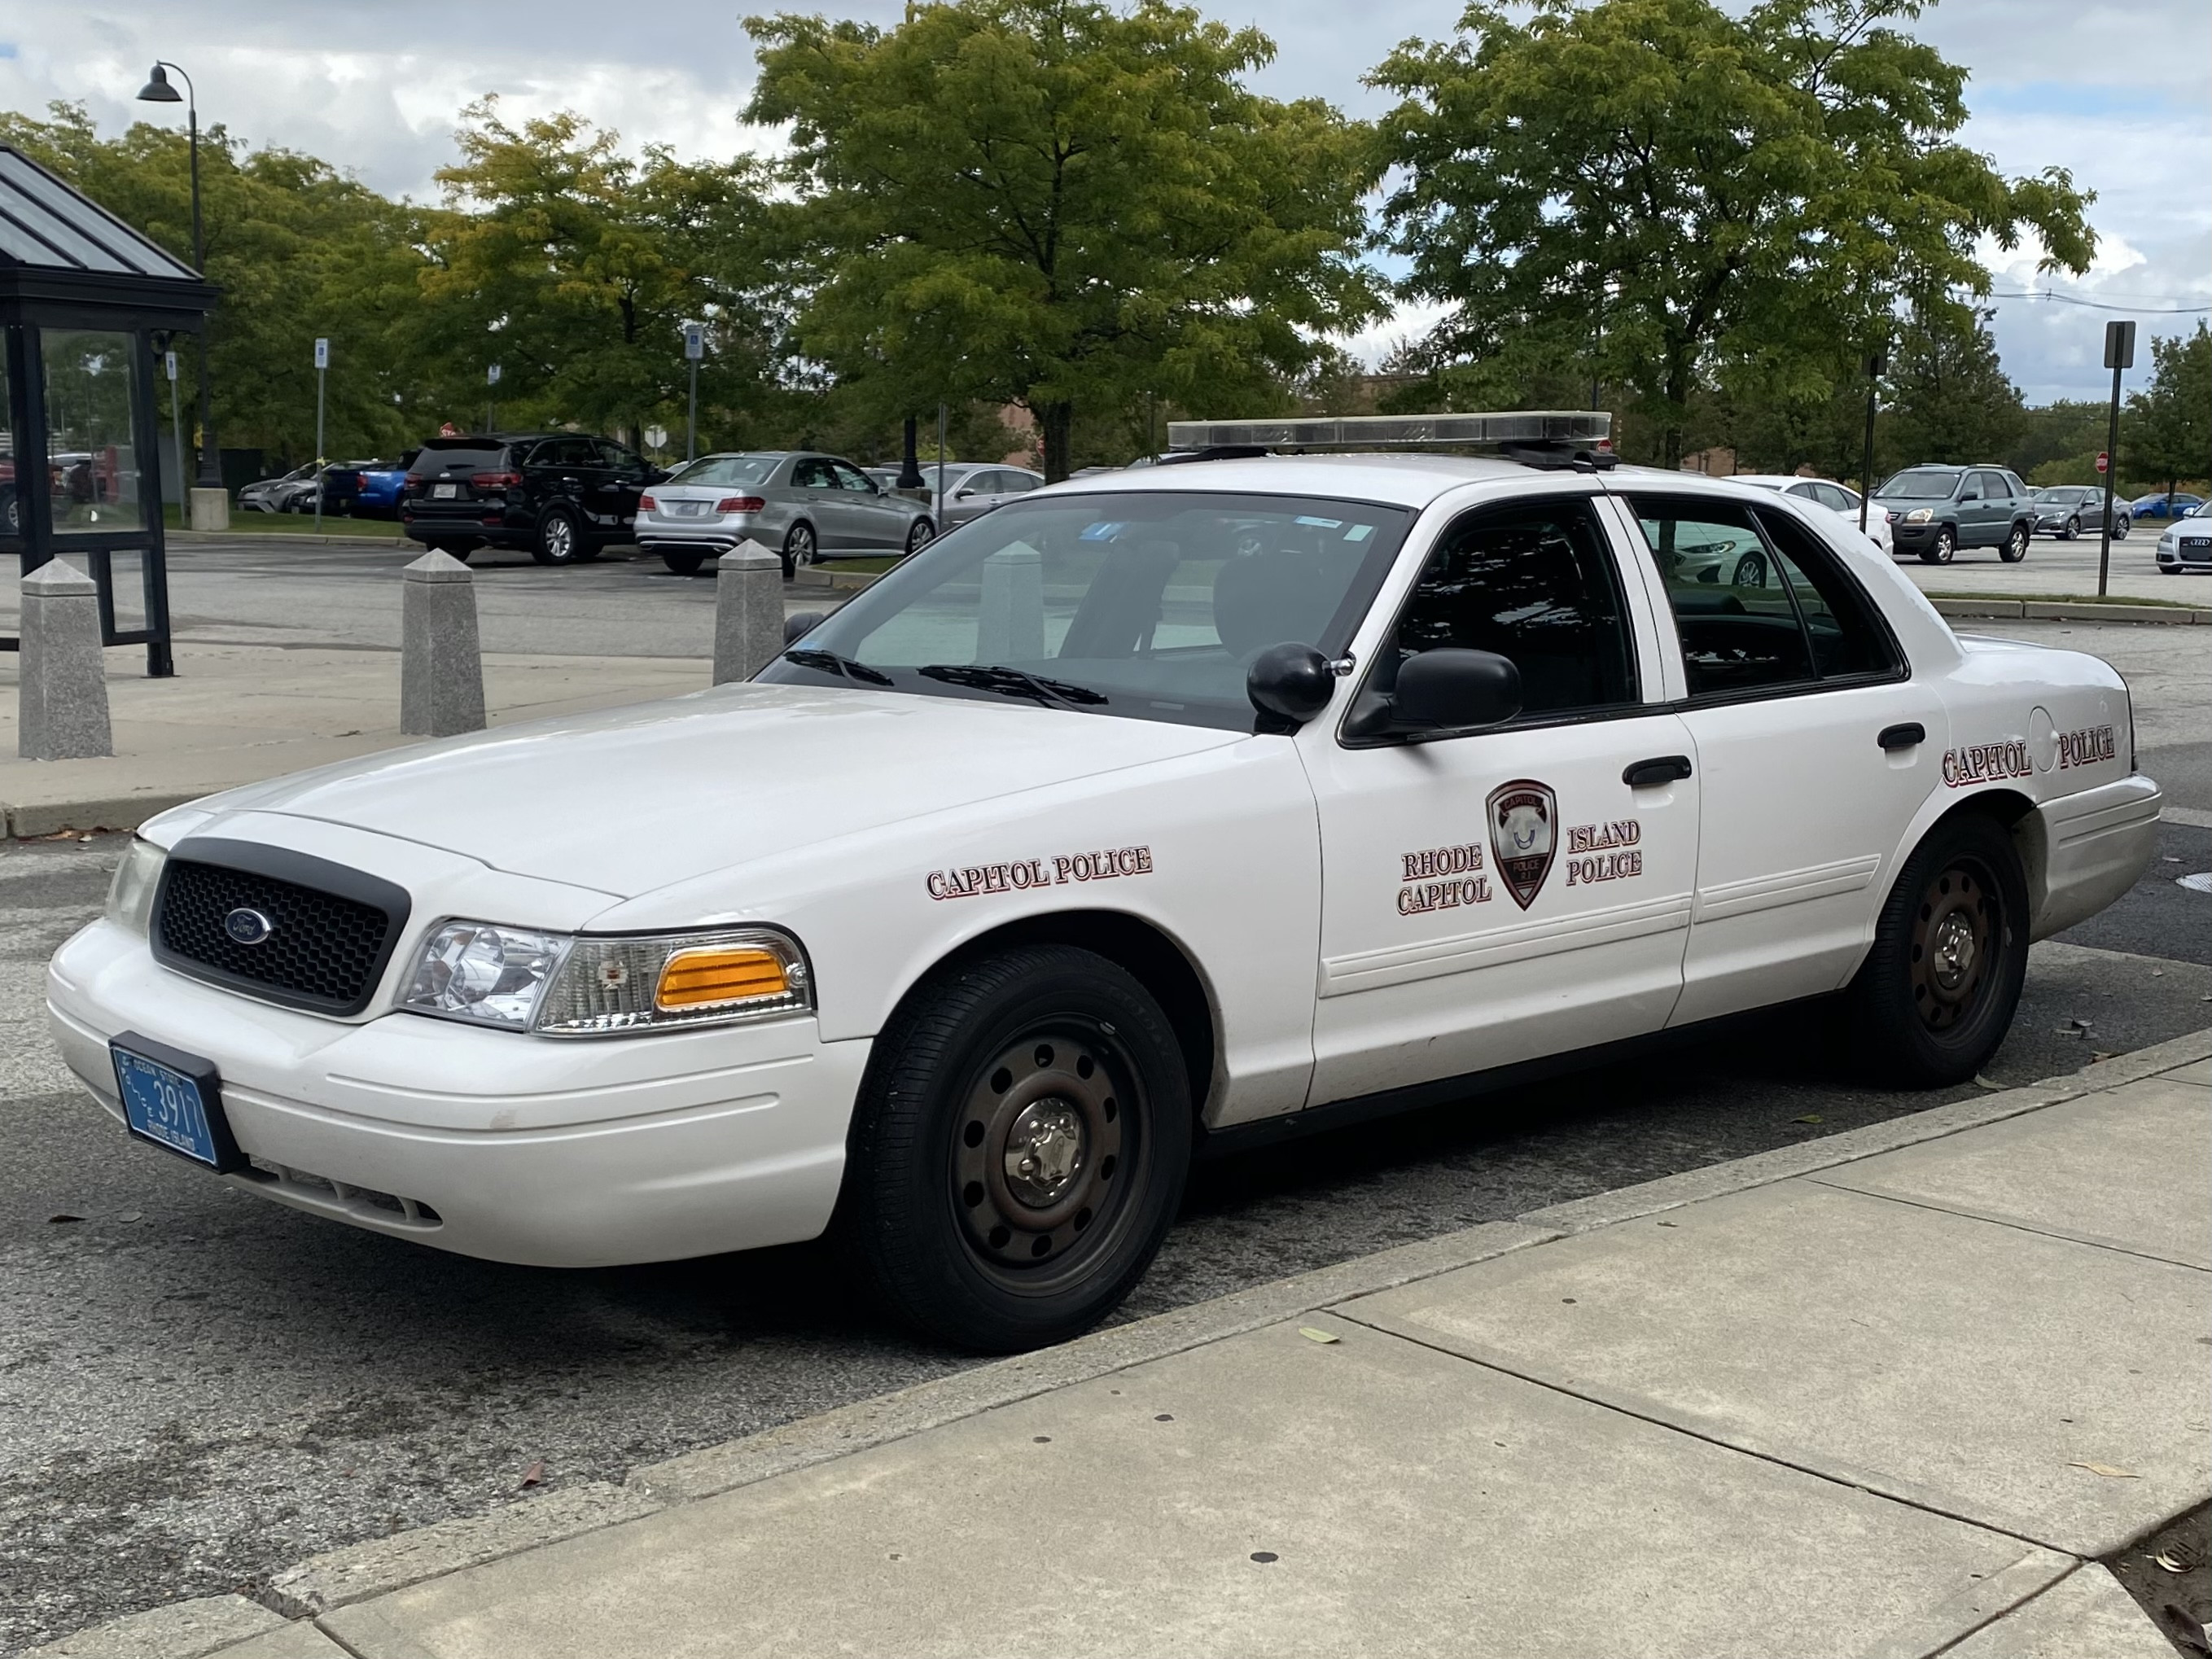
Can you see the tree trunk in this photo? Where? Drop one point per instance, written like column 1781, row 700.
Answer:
column 1056, row 422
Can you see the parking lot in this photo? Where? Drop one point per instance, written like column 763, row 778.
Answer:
column 2055, row 567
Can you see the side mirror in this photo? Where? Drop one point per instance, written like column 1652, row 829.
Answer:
column 1292, row 682
column 1451, row 689
column 798, row 625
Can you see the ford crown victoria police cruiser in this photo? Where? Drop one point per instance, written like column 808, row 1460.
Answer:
column 1147, row 808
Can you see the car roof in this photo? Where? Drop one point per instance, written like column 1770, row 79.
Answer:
column 1395, row 478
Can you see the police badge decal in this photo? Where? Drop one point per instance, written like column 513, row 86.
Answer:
column 1523, row 817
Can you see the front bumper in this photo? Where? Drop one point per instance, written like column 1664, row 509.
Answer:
column 544, row 1151
column 2185, row 553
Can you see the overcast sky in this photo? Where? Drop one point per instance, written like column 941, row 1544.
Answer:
column 2116, row 93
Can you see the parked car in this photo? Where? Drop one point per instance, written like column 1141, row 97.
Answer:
column 806, row 506
column 970, row 488
column 2187, row 543
column 2066, row 510
column 1934, row 510
column 2155, row 505
column 1823, row 493
column 377, row 486
column 562, row 496
column 276, row 495
column 340, row 484
column 1009, row 882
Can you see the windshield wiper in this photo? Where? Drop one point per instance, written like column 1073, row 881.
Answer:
column 828, row 662
column 1014, row 683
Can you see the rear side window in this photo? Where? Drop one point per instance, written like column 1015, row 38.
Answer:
column 1534, row 584
column 1760, row 604
column 457, row 460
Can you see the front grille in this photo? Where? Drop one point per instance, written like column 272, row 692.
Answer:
column 324, row 949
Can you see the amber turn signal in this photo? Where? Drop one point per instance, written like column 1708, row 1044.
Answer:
column 710, row 978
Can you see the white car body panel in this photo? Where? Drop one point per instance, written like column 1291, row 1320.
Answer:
column 883, row 831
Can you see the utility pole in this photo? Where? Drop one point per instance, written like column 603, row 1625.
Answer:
column 939, row 508
column 1877, row 365
column 2119, row 353
column 694, row 348
column 322, row 374
column 491, row 399
column 176, row 429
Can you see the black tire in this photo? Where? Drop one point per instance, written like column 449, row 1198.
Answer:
column 2072, row 531
column 683, row 564
column 2015, row 546
column 1936, row 994
column 799, row 547
column 1943, row 549
column 919, row 535
column 972, row 1076
column 2121, row 527
column 560, row 538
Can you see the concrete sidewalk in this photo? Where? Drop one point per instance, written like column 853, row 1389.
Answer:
column 237, row 713
column 1892, row 1392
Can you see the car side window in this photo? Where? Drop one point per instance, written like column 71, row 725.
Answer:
column 1740, row 631
column 1534, row 584
column 1018, row 483
column 813, row 473
column 2013, row 486
column 1847, row 639
column 1993, row 486
column 1836, row 500
column 852, row 478
column 615, row 458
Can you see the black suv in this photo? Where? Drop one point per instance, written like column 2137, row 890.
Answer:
column 561, row 494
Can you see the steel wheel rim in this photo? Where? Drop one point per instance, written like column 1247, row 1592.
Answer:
column 802, row 545
column 2017, row 543
column 1046, row 1155
column 1751, row 571
column 1956, row 931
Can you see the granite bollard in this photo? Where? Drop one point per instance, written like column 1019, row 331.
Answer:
column 440, row 665
column 62, row 702
column 748, row 611
column 1010, row 623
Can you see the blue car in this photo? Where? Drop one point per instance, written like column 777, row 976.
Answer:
column 2153, row 506
column 377, row 486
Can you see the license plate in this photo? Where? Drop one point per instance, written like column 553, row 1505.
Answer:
column 688, row 509
column 444, row 492
column 174, row 1100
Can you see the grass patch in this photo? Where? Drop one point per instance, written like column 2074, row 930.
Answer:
column 250, row 523
column 2061, row 598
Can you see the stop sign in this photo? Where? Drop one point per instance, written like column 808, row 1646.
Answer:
column 2104, row 461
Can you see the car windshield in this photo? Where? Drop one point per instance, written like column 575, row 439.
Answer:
column 1921, row 481
column 725, row 469
column 1149, row 605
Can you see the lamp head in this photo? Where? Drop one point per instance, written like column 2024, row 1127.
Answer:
column 157, row 90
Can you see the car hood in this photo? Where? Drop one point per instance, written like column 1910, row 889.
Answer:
column 627, row 800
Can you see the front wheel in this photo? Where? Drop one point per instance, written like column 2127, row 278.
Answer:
column 2016, row 547
column 1750, row 571
column 2073, row 530
column 1936, row 994
column 920, row 536
column 1018, row 1149
column 2121, row 528
column 1945, row 547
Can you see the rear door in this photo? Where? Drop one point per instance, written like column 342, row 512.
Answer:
column 822, row 503
column 1507, row 893
column 1801, row 716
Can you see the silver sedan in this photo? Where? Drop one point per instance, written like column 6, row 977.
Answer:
column 971, row 489
column 805, row 506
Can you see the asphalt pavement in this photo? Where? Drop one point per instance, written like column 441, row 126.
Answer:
column 197, row 1388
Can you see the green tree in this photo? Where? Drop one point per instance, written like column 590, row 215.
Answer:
column 1667, row 196
column 574, row 266
column 2168, row 437
column 1948, row 399
column 1055, row 204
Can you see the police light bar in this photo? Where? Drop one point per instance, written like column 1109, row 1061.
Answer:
column 1552, row 428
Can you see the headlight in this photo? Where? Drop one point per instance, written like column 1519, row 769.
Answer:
column 562, row 985
column 1920, row 515
column 130, row 894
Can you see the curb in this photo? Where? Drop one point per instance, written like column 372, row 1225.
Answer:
column 837, row 581
column 2048, row 610
column 200, row 538
column 358, row 1573
column 85, row 817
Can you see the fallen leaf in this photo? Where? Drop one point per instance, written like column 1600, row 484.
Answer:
column 535, row 1474
column 1809, row 1117
column 64, row 1217
column 2158, row 973
column 1981, row 1082
column 2106, row 1470
column 1313, row 1335
column 2102, row 1054
column 2079, row 1024
column 2174, row 1558
column 131, row 1215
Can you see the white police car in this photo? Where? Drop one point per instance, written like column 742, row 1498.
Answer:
column 1267, row 790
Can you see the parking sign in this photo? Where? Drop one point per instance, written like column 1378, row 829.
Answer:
column 322, row 354
column 695, row 341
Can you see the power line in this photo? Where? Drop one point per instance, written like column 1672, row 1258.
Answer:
column 2096, row 305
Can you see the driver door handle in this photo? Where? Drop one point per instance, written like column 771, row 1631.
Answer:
column 1661, row 769
column 1903, row 737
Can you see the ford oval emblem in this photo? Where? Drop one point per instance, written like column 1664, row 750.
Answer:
column 247, row 926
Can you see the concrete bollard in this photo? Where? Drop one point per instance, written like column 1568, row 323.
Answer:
column 748, row 611
column 1010, row 628
column 62, row 702
column 441, row 664
column 208, row 509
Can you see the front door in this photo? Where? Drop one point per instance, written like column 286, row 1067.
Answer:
column 1505, row 894
column 1802, row 721
column 875, row 521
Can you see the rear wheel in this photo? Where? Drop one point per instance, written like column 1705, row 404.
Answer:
column 922, row 533
column 1936, row 994
column 683, row 564
column 559, row 539
column 1019, row 1148
column 798, row 547
column 2121, row 527
column 2016, row 547
column 1941, row 550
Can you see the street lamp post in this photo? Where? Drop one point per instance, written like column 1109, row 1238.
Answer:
column 157, row 90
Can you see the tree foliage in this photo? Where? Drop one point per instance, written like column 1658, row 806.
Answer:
column 1060, row 204
column 1677, row 196
column 1947, row 395
column 2169, row 436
